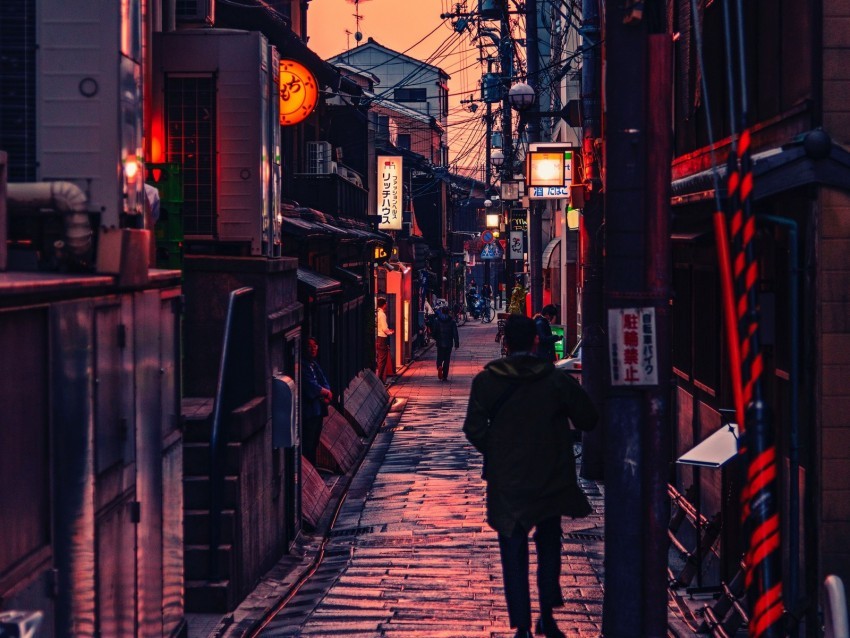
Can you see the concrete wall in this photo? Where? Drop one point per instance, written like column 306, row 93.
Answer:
column 833, row 307
column 836, row 70
column 833, row 391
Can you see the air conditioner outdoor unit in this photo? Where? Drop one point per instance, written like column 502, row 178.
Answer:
column 195, row 11
column 319, row 158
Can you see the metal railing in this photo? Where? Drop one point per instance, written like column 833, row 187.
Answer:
column 235, row 387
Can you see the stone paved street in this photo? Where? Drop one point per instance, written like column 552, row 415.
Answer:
column 410, row 554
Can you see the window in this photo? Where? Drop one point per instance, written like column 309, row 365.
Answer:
column 403, row 141
column 682, row 315
column 409, row 95
column 706, row 337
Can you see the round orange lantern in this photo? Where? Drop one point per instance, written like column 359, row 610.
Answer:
column 298, row 92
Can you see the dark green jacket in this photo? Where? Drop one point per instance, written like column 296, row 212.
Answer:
column 529, row 464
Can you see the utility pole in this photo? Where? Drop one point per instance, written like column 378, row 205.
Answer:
column 637, row 285
column 535, row 212
column 487, row 170
column 623, row 604
column 590, row 242
column 506, row 59
column 488, row 122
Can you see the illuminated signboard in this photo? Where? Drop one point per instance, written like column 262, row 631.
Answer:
column 389, row 192
column 549, row 174
column 519, row 219
column 298, row 92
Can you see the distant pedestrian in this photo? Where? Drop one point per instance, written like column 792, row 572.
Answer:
column 382, row 339
column 445, row 334
column 486, row 290
column 517, row 418
column 316, row 396
column 546, row 340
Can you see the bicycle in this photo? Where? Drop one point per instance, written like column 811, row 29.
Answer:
column 486, row 310
column 459, row 314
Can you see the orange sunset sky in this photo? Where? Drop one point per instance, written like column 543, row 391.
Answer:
column 401, row 25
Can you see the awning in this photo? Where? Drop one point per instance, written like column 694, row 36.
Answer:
column 552, row 254
column 777, row 170
column 306, row 227
column 320, row 285
column 716, row 450
column 349, row 275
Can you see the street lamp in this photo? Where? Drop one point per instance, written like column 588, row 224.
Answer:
column 521, row 96
column 497, row 158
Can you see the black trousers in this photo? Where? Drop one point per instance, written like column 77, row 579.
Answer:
column 311, row 431
column 444, row 358
column 514, row 553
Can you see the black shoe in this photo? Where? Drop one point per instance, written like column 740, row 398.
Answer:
column 523, row 633
column 546, row 626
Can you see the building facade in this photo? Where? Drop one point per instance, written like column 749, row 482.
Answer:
column 800, row 127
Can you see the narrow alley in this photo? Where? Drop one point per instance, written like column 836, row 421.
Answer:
column 409, row 553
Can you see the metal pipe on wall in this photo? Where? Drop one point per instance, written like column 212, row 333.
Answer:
column 794, row 406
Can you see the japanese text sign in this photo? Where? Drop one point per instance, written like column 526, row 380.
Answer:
column 298, row 92
column 389, row 192
column 632, row 346
column 515, row 244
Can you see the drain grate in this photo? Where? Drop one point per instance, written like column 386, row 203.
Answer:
column 351, row 531
column 582, row 536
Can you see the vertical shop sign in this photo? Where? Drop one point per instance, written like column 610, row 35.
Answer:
column 516, row 244
column 632, row 345
column 389, row 192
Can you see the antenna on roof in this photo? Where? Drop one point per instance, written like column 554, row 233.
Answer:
column 358, row 35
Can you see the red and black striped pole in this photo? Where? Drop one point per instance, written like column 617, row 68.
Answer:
column 760, row 505
column 759, row 496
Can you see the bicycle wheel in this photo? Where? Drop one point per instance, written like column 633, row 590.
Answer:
column 487, row 314
column 460, row 315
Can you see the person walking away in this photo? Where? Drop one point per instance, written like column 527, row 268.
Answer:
column 546, row 340
column 316, row 396
column 472, row 298
column 382, row 340
column 486, row 290
column 517, row 418
column 445, row 335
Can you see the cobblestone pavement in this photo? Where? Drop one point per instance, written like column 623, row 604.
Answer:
column 410, row 554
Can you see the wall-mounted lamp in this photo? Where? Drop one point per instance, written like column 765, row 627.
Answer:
column 572, row 218
column 493, row 220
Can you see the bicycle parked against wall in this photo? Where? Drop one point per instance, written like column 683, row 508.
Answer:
column 484, row 309
column 459, row 313
column 481, row 308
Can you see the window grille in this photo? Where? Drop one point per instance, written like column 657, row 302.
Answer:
column 190, row 108
column 17, row 90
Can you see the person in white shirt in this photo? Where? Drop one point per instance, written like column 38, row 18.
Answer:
column 382, row 340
